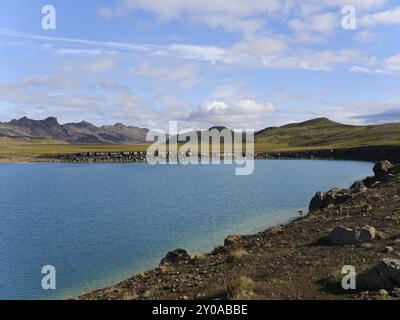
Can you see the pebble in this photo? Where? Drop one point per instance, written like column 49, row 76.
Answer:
column 389, row 249
column 383, row 293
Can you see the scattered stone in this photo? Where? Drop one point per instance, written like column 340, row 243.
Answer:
column 381, row 169
column 389, row 249
column 383, row 293
column 341, row 235
column 395, row 292
column 367, row 208
column 386, row 274
column 380, row 235
column 174, row 257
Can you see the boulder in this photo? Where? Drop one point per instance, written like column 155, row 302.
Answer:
column 365, row 234
column 338, row 196
column 384, row 275
column 333, row 197
column 230, row 240
column 317, row 202
column 342, row 235
column 381, row 169
column 174, row 257
column 358, row 187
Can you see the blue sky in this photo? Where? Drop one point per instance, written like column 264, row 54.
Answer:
column 244, row 64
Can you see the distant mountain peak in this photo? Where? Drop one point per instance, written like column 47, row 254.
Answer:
column 51, row 120
column 320, row 120
column 76, row 133
column 317, row 122
column 83, row 124
column 219, row 128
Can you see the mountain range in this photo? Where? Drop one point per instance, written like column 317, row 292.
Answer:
column 315, row 133
column 74, row 133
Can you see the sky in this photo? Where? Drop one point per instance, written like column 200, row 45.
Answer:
column 245, row 64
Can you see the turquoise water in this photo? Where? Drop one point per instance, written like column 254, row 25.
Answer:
column 100, row 223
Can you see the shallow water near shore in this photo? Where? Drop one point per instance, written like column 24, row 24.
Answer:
column 101, row 223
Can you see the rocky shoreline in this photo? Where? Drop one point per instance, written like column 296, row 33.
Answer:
column 370, row 153
column 358, row 227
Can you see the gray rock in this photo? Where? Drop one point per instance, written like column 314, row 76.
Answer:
column 174, row 257
column 384, row 275
column 342, row 235
column 230, row 240
column 338, row 196
column 333, row 197
column 389, row 249
column 317, row 202
column 381, row 169
column 365, row 234
column 395, row 292
column 358, row 187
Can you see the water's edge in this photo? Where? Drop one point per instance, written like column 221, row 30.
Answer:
column 367, row 153
column 301, row 213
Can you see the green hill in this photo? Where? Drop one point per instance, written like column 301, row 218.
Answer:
column 324, row 133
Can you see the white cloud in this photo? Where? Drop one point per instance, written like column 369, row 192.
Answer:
column 366, row 36
column 387, row 17
column 82, row 52
column 262, row 51
column 103, row 104
column 164, row 71
column 234, row 15
column 201, row 53
column 323, row 23
column 392, row 63
column 259, row 46
column 239, row 113
column 48, row 81
column 224, row 91
column 100, row 65
column 106, row 13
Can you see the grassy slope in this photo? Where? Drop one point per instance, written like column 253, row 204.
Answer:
column 313, row 134
column 323, row 133
column 18, row 148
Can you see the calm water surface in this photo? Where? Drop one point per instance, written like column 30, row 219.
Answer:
column 100, row 223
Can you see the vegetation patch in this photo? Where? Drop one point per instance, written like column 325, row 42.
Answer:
column 240, row 289
column 236, row 255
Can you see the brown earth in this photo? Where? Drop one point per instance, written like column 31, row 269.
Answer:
column 286, row 262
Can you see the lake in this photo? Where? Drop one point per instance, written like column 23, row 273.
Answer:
column 100, row 223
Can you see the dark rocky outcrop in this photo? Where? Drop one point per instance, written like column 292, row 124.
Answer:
column 326, row 199
column 358, row 186
column 342, row 235
column 370, row 153
column 174, row 257
column 231, row 240
column 384, row 275
column 382, row 169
